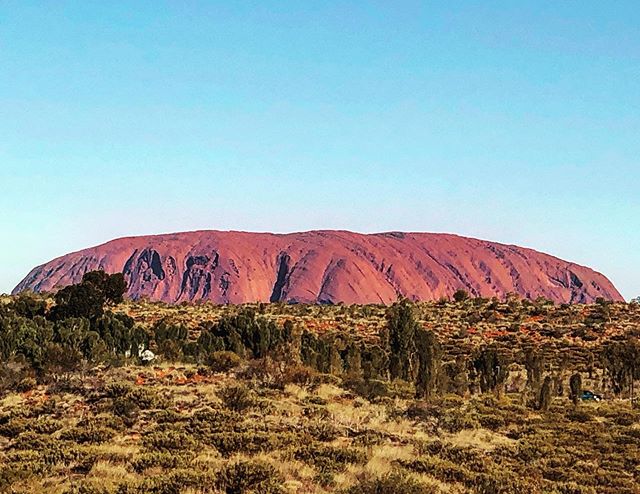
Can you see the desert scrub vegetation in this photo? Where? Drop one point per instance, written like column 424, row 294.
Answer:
column 318, row 438
column 389, row 447
column 488, row 396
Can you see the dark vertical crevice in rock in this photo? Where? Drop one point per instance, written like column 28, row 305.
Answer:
column 577, row 294
column 207, row 286
column 281, row 278
column 149, row 265
column 127, row 265
column 575, row 281
column 172, row 265
column 194, row 275
column 156, row 266
column 185, row 279
column 225, row 283
column 327, row 278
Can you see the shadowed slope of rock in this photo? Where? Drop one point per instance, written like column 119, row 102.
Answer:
column 323, row 266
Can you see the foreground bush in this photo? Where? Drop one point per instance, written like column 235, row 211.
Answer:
column 223, row 361
column 394, row 483
column 247, row 477
column 238, row 397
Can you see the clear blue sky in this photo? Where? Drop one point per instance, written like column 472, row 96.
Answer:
column 512, row 121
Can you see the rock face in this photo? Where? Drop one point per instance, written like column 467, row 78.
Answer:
column 324, row 267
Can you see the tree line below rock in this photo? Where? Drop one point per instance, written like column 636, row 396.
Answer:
column 41, row 338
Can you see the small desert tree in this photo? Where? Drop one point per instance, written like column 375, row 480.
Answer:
column 400, row 335
column 575, row 385
column 353, row 359
column 113, row 286
column 454, row 376
column 491, row 369
column 88, row 298
column 429, row 358
column 82, row 300
column 534, row 364
column 460, row 295
column 544, row 400
column 620, row 360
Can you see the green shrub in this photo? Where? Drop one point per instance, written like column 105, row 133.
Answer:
column 420, row 410
column 31, row 440
column 492, row 422
column 457, row 420
column 169, row 440
column 88, row 433
column 45, row 425
column 26, row 384
column 167, row 460
column 229, row 443
column 501, row 484
column 168, row 416
column 444, row 470
column 237, row 397
column 316, row 400
column 327, row 458
column 471, row 459
column 125, row 408
column 393, row 483
column 12, row 426
column 249, row 477
column 117, row 389
column 174, row 482
column 223, row 361
column 89, row 487
column 147, row 399
column 323, row 431
column 373, row 389
column 213, row 420
column 13, row 474
column 578, row 415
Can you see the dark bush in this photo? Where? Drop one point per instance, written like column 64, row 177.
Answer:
column 88, row 434
column 393, row 483
column 237, row 397
column 249, row 442
column 223, row 361
column 249, row 476
column 167, row 460
column 168, row 441
column 329, row 458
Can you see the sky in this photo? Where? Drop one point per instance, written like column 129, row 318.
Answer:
column 517, row 122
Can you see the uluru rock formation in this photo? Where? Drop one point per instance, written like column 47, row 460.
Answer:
column 324, row 267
